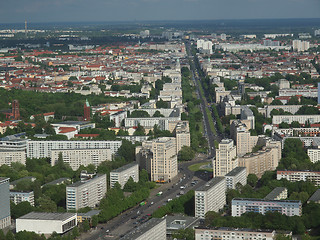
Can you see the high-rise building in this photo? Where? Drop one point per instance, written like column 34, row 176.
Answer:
column 317, row 32
column 300, row 46
column 5, row 216
column 122, row 174
column 226, row 158
column 182, row 135
column 86, row 193
column 210, row 197
column 15, row 110
column 237, row 175
column 87, row 111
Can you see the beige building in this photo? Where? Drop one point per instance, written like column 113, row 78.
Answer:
column 77, row 157
column 182, row 135
column 159, row 158
column 226, row 158
column 9, row 156
column 122, row 174
column 314, row 154
column 210, row 197
column 87, row 193
column 279, row 193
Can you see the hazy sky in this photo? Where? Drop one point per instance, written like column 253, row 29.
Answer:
column 15, row 11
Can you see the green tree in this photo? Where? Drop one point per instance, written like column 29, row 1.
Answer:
column 94, row 221
column 130, row 185
column 2, row 236
column 186, row 154
column 162, row 104
column 252, row 180
column 85, row 226
column 20, row 209
column 45, row 204
column 10, row 236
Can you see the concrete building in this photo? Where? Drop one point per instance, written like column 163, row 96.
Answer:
column 154, row 229
column 237, row 175
column 226, row 158
column 122, row 174
column 296, row 176
column 315, row 197
column 179, row 221
column 302, row 119
column 22, row 196
column 42, row 149
column 210, row 197
column 81, row 217
column 46, row 223
column 314, row 154
column 287, row 108
column 159, row 158
column 240, row 206
column 283, row 83
column 304, row 92
column 224, row 233
column 279, row 193
column 148, row 123
column 182, row 135
column 77, row 157
column 86, row 193
column 300, row 46
column 5, row 216
column 9, row 156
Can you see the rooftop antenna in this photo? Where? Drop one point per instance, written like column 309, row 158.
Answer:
column 26, row 28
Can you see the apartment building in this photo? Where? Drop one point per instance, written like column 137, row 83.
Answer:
column 296, row 176
column 122, row 174
column 226, row 158
column 148, row 123
column 5, row 216
column 42, row 149
column 182, row 135
column 240, row 206
column 314, row 154
column 87, row 193
column 210, row 197
column 77, row 157
column 278, row 193
column 237, row 175
column 22, row 196
column 154, row 229
column 9, row 156
column 225, row 233
column 315, row 197
column 159, row 158
column 302, row 119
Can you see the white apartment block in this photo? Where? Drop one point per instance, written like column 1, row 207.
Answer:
column 182, row 135
column 305, row 92
column 22, row 196
column 86, row 193
column 9, row 156
column 226, row 158
column 302, row 119
column 42, row 149
column 287, row 108
column 278, row 193
column 210, row 197
column 122, row 174
column 296, row 176
column 159, row 158
column 155, row 229
column 240, row 206
column 148, row 123
column 300, row 46
column 314, row 155
column 237, row 175
column 77, row 157
column 224, row 233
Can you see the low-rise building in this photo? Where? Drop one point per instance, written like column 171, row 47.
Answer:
column 154, row 229
column 177, row 221
column 240, row 206
column 278, row 193
column 22, row 196
column 210, row 197
column 86, row 193
column 46, row 223
column 237, row 175
column 122, row 174
column 81, row 217
column 315, row 197
column 296, row 176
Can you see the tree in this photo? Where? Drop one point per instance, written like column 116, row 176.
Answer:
column 94, row 221
column 75, row 232
column 130, row 185
column 10, row 236
column 85, row 226
column 157, row 114
column 293, row 101
column 252, row 180
column 140, row 131
column 276, row 102
column 20, row 209
column 284, row 125
column 45, row 204
column 162, row 104
column 186, row 154
column 295, row 124
column 2, row 236
column 186, row 234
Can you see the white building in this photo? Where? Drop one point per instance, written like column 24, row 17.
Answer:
column 22, row 196
column 226, row 158
column 240, row 206
column 9, row 156
column 278, row 193
column 86, row 193
column 296, row 176
column 300, row 46
column 77, row 157
column 302, row 119
column 122, row 174
column 46, row 223
column 210, row 197
column 237, row 175
column 182, row 135
column 314, row 154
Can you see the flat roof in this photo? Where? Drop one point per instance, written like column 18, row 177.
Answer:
column 125, row 167
column 316, row 196
column 235, row 171
column 48, row 216
column 90, row 213
column 275, row 193
column 4, row 179
column 79, row 183
column 265, row 200
column 210, row 184
column 136, row 232
column 235, row 229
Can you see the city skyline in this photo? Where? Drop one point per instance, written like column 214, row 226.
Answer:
column 153, row 10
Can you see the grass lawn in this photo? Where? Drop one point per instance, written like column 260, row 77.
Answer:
column 197, row 167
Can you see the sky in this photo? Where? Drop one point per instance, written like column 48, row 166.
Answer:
column 41, row 11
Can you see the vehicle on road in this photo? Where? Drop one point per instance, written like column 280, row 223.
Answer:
column 143, row 203
column 159, row 193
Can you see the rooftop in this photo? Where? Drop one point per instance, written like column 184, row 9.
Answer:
column 210, row 184
column 48, row 216
column 79, row 183
column 315, row 197
column 265, row 200
column 275, row 193
column 235, row 171
column 125, row 167
column 235, row 229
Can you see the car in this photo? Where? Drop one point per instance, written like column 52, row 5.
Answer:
column 107, row 230
column 169, row 199
column 151, row 203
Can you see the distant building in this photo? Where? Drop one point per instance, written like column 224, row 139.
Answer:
column 318, row 92
column 5, row 216
column 317, row 32
column 314, row 154
column 279, row 193
column 296, row 176
column 86, row 193
column 302, row 119
column 22, row 196
column 122, row 174
column 9, row 156
column 210, row 197
column 154, row 229
column 300, row 46
column 237, row 175
column 46, row 223
column 182, row 135
column 240, row 206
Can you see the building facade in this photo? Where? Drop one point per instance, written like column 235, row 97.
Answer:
column 210, row 197
column 240, row 206
column 279, row 193
column 9, row 156
column 122, row 174
column 237, row 175
column 86, row 193
column 226, row 158
column 5, row 216
column 22, row 196
column 296, row 176
column 314, row 155
column 182, row 135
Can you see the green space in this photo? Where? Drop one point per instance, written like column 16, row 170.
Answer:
column 211, row 124
column 197, row 167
